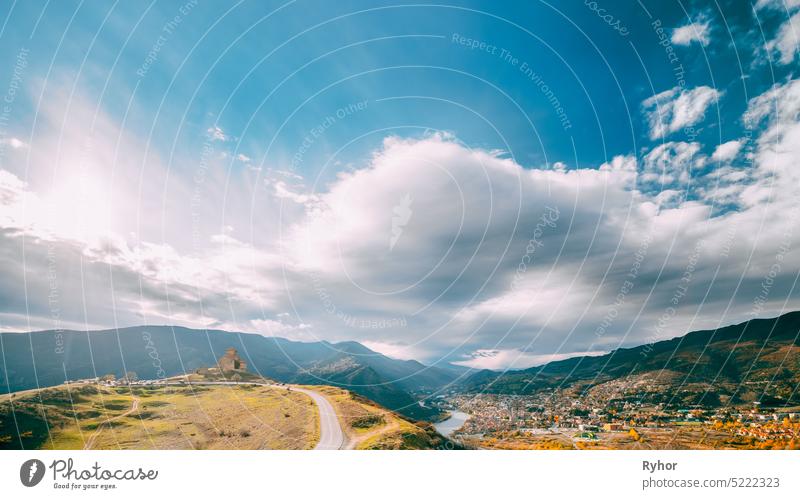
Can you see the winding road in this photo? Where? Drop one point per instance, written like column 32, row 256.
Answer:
column 331, row 436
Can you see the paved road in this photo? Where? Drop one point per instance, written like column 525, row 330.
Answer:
column 331, row 436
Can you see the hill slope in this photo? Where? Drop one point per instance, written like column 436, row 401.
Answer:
column 158, row 417
column 47, row 358
column 196, row 416
column 758, row 360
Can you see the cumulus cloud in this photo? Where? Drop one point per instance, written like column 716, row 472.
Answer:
column 479, row 290
column 777, row 4
column 727, row 151
column 671, row 164
column 776, row 157
column 787, row 41
column 698, row 31
column 676, row 109
column 397, row 350
column 511, row 359
column 494, row 256
column 498, row 264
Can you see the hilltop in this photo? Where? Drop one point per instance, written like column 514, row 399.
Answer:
column 48, row 358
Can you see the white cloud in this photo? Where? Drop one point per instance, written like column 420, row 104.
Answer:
column 323, row 255
column 780, row 105
column 152, row 250
column 777, row 4
column 215, row 133
column 787, row 40
column 283, row 191
column 676, row 109
column 396, row 350
column 289, row 174
column 515, row 359
column 14, row 143
column 452, row 276
column 727, row 152
column 671, row 164
column 698, row 31
column 620, row 163
column 778, row 151
column 279, row 328
column 539, row 298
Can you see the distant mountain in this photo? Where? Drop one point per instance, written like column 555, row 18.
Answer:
column 758, row 360
column 407, row 374
column 47, row 358
column 363, row 379
column 377, row 377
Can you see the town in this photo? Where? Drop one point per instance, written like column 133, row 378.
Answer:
column 564, row 419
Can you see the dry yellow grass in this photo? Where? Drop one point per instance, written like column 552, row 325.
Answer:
column 198, row 417
column 169, row 417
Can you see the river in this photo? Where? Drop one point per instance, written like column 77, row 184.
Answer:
column 451, row 424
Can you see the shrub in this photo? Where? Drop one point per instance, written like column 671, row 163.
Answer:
column 367, row 421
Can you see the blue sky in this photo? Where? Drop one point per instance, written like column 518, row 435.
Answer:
column 221, row 64
column 231, row 162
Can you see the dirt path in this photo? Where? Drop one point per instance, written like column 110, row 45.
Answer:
column 89, row 443
column 355, row 441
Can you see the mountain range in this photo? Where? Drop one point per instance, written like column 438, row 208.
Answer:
column 755, row 361
column 46, row 358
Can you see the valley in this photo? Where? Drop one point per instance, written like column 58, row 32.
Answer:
column 732, row 387
column 735, row 387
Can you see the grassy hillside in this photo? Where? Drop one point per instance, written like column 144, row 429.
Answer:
column 166, row 417
column 48, row 358
column 197, row 417
column 371, row 427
